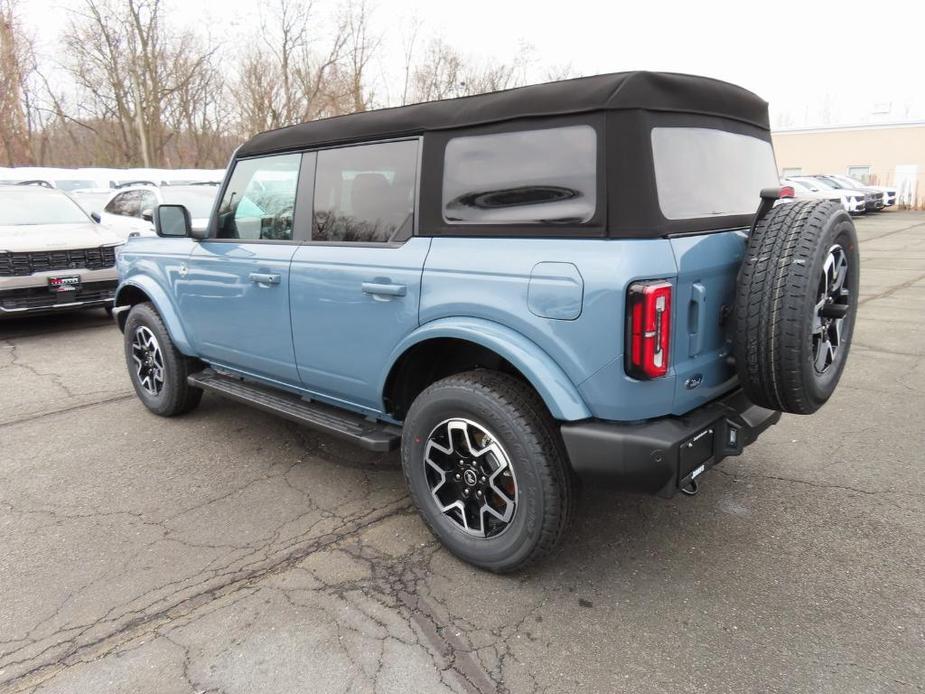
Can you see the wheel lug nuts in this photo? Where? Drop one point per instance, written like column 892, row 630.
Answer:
column 479, row 493
column 483, row 478
column 458, row 475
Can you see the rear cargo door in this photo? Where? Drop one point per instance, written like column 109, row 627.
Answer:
column 701, row 339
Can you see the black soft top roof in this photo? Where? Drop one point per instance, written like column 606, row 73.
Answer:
column 651, row 91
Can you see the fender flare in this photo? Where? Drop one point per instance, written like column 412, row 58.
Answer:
column 164, row 306
column 550, row 381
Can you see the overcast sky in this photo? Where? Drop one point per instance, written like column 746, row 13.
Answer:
column 841, row 61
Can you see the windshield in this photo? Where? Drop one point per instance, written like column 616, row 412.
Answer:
column 33, row 206
column 73, row 184
column 702, row 172
column 197, row 200
column 816, row 183
column 832, row 182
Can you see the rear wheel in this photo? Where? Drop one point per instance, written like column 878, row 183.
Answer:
column 157, row 368
column 795, row 306
column 486, row 469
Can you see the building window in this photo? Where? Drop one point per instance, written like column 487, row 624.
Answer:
column 860, row 173
column 789, row 171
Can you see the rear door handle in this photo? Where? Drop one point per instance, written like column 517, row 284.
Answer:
column 384, row 289
column 697, row 318
column 264, row 278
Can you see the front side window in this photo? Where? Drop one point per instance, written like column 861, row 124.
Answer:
column 525, row 177
column 148, row 202
column 703, row 172
column 365, row 194
column 259, row 202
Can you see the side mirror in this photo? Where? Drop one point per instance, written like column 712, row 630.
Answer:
column 172, row 221
column 147, row 215
column 96, row 217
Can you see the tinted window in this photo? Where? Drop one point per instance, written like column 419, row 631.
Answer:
column 365, row 194
column 31, row 207
column 127, row 204
column 525, row 177
column 701, row 172
column 259, row 201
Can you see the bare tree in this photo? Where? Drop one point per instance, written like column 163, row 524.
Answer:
column 17, row 65
column 131, row 71
column 302, row 70
column 444, row 72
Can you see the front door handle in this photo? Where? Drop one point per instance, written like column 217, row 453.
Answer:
column 264, row 278
column 384, row 289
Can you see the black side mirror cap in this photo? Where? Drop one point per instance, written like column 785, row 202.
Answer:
column 96, row 217
column 172, row 221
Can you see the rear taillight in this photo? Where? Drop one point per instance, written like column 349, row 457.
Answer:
column 786, row 192
column 648, row 334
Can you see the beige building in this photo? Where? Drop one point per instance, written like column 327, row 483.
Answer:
column 881, row 154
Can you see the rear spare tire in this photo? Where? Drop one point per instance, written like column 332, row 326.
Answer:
column 796, row 300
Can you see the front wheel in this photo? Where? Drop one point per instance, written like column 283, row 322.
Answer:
column 487, row 470
column 157, row 368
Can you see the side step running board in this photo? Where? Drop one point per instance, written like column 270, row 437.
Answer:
column 373, row 436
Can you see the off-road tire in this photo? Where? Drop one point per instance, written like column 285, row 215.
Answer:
column 176, row 396
column 519, row 420
column 776, row 302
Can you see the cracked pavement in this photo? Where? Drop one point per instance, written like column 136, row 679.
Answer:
column 228, row 551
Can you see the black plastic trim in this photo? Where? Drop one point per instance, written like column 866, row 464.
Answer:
column 373, row 436
column 647, row 456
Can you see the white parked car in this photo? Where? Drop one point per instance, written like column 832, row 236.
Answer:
column 854, row 201
column 53, row 257
column 889, row 192
column 801, row 191
column 129, row 211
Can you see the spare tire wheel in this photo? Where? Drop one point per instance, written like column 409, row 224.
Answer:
column 796, row 300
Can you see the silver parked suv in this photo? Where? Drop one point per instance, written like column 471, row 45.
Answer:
column 53, row 257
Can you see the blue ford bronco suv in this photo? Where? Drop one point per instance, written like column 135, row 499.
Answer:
column 590, row 279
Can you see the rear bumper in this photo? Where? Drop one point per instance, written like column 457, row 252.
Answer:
column 662, row 455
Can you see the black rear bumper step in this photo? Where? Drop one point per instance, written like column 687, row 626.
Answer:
column 373, row 436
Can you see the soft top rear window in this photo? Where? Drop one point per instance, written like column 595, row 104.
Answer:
column 704, row 172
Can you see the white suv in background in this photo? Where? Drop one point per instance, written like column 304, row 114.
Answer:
column 130, row 211
column 889, row 192
column 852, row 201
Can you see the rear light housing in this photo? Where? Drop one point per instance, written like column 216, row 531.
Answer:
column 787, row 192
column 648, row 329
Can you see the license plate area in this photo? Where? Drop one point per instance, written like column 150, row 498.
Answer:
column 696, row 451
column 65, row 284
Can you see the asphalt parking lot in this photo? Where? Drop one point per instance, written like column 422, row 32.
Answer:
column 230, row 551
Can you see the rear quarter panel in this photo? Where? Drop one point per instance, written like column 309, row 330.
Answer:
column 490, row 278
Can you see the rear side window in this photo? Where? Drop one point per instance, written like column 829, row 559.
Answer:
column 544, row 176
column 702, row 172
column 365, row 194
column 259, row 201
column 126, row 204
